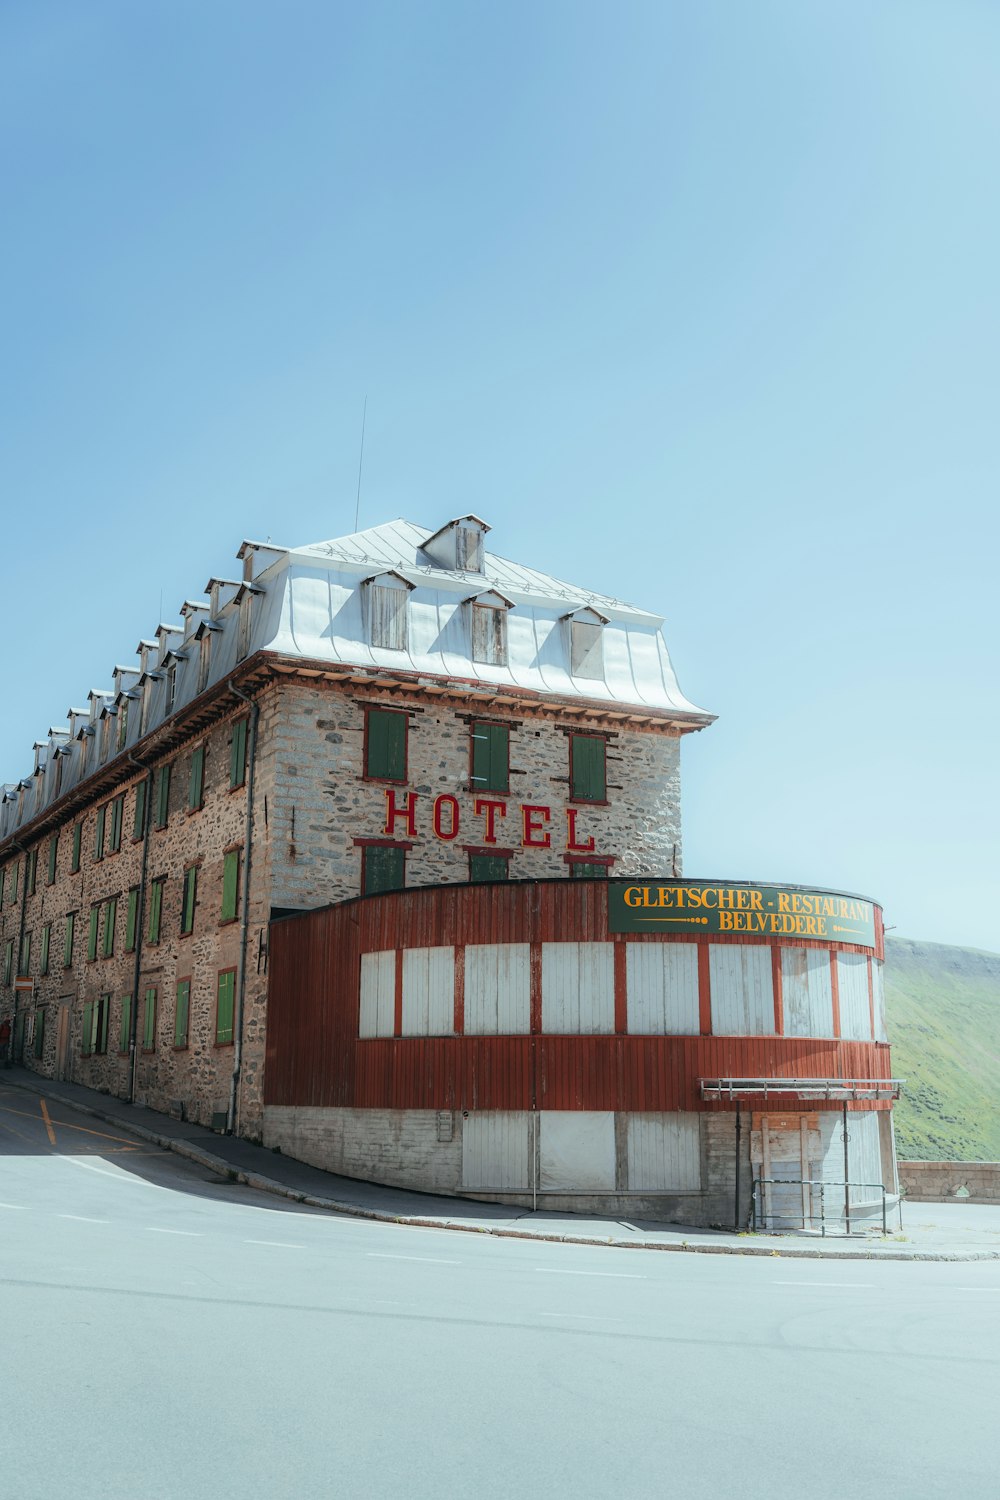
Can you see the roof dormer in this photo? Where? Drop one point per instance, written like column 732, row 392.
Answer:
column 167, row 637
column 489, row 627
column 586, row 642
column 221, row 591
column 384, row 596
column 458, row 546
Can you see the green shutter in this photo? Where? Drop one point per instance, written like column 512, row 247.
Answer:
column 139, row 820
column 238, row 754
column 24, row 966
column 224, row 1006
column 30, row 866
column 181, row 1012
column 126, row 1025
column 131, row 919
column 39, row 1032
column 53, row 856
column 92, row 932
column 102, row 1023
column 117, row 809
column 15, row 870
column 155, row 910
column 87, row 1044
column 110, row 919
column 3, row 883
column 99, row 835
column 582, row 870
column 68, row 941
column 77, row 841
column 197, row 783
column 43, row 957
column 230, row 885
column 589, row 780
column 383, row 869
column 188, row 899
column 386, row 749
column 149, row 1021
column 163, row 797
column 487, row 867
column 490, row 757
column 8, row 962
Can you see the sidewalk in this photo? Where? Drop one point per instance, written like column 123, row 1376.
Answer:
column 931, row 1231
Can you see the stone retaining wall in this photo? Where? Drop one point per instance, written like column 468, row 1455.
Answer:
column 946, row 1181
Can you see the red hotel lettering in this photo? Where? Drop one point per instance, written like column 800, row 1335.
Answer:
column 489, row 807
column 534, row 819
column 573, row 843
column 446, row 800
column 407, row 813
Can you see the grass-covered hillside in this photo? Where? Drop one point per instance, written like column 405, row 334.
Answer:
column 944, row 1025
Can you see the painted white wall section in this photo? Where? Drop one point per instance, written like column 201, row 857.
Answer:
column 378, row 993
column 577, row 1150
column 852, row 982
column 578, row 989
column 428, row 992
column 662, row 988
column 807, row 991
column 496, row 1151
column 742, row 990
column 497, row 989
column 664, row 1153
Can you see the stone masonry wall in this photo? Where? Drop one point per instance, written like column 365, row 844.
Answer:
column 948, row 1181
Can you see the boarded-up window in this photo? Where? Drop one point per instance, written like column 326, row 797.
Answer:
column 742, row 989
column 489, row 634
column 490, row 757
column 204, row 661
column 578, row 989
column 385, row 745
column 378, row 993
column 586, row 648
column 662, row 980
column 664, row 1153
column 483, row 867
column 387, row 613
column 468, row 549
column 587, row 768
column 383, row 868
column 807, row 991
column 497, row 989
column 428, row 991
column 855, row 1010
column 246, row 620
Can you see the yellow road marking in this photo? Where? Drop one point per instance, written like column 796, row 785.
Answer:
column 48, row 1123
column 65, row 1125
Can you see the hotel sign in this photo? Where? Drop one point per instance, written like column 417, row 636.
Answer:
column 703, row 907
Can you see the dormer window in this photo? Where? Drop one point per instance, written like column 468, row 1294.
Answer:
column 204, row 660
column 586, row 643
column 122, row 723
column 386, row 597
column 459, row 545
column 105, row 735
column 489, row 629
column 245, row 624
column 171, row 687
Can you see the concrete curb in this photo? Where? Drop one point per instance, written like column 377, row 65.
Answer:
column 264, row 1184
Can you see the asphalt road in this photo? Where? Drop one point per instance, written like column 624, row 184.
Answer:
column 166, row 1335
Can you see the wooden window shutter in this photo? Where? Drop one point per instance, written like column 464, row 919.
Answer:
column 490, row 757
column 126, row 1024
column 155, row 910
column 588, row 768
column 139, row 821
column 53, row 856
column 386, row 745
column 163, row 797
column 68, row 940
column 230, row 885
column 99, row 835
column 224, row 1006
column 95, row 912
column 131, row 919
column 487, row 867
column 88, row 1021
column 77, row 841
column 238, row 754
column 188, row 899
column 181, row 1012
column 196, row 787
column 149, row 1021
column 383, row 869
column 110, row 919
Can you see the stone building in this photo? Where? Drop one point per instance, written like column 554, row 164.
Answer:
column 394, row 708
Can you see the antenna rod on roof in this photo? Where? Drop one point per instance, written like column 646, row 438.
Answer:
column 361, row 459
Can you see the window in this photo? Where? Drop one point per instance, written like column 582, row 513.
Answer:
column 74, row 864
column 39, row 1039
column 99, row 834
column 95, row 1026
column 53, row 857
column 149, row 1020
column 188, row 899
column 171, row 687
column 224, row 1007
column 95, row 917
column 43, row 955
column 468, row 549
column 587, row 768
column 147, row 697
column 163, row 797
column 230, row 885
column 68, row 939
column 117, row 817
column 385, row 744
column 125, row 1030
column 122, row 723
column 586, row 643
column 60, row 756
column 196, row 784
column 581, row 869
column 132, row 919
column 24, row 963
column 105, row 734
column 238, row 754
column 387, row 612
column 14, row 871
column 181, row 1010
column 489, row 634
column 490, row 757
column 487, row 867
column 155, row 909
column 31, row 870
column 204, row 660
column 8, row 961
column 139, row 820
column 246, row 620
column 383, row 868
column 110, row 919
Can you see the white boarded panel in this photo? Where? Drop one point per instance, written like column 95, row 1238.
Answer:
column 662, row 981
column 577, row 1151
column 497, row 989
column 807, row 991
column 664, row 1153
column 864, row 1154
column 578, row 988
column 852, row 982
column 742, row 989
column 378, row 993
column 878, row 993
column 496, row 1151
column 428, row 991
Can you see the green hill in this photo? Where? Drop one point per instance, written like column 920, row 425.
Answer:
column 943, row 1013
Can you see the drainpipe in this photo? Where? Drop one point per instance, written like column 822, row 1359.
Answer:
column 140, row 921
column 232, row 1114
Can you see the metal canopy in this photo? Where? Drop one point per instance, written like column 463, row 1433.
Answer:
column 802, row 1088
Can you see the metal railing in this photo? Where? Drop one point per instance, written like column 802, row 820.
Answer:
column 763, row 1216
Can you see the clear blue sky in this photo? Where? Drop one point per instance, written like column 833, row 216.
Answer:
column 698, row 303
